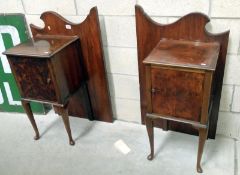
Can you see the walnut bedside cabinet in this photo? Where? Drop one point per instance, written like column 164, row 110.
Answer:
column 178, row 83
column 181, row 67
column 47, row 69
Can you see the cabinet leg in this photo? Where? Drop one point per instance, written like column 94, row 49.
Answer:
column 28, row 110
column 149, row 126
column 64, row 113
column 202, row 139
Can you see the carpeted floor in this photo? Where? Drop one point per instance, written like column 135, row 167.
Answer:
column 95, row 154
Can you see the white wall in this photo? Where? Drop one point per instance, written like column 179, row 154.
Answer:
column 119, row 39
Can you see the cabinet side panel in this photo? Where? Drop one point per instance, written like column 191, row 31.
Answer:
column 70, row 65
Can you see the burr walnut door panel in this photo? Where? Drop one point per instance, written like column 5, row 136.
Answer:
column 34, row 78
column 177, row 93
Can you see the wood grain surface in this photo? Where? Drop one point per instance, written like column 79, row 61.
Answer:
column 93, row 59
column 192, row 28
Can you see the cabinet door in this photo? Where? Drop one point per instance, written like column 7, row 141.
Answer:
column 34, row 79
column 177, row 93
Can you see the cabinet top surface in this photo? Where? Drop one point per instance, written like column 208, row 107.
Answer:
column 41, row 46
column 187, row 54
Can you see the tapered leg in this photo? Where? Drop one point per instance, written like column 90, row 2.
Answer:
column 149, row 125
column 202, row 139
column 28, row 110
column 64, row 113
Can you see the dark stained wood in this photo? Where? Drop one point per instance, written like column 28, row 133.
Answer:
column 181, row 53
column 173, row 90
column 68, row 73
column 32, row 74
column 84, row 105
column 207, row 85
column 63, row 111
column 149, row 126
column 177, row 119
column 93, row 59
column 190, row 28
column 179, row 86
column 178, row 93
column 48, row 69
column 28, row 110
column 41, row 46
column 57, row 76
column 202, row 140
column 204, row 118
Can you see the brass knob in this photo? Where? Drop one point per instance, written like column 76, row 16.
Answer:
column 153, row 90
column 48, row 80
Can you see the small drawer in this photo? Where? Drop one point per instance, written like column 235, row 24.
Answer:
column 34, row 79
column 177, row 93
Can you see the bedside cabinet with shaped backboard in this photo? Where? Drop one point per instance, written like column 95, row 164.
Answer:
column 47, row 71
column 63, row 65
column 178, row 83
column 181, row 68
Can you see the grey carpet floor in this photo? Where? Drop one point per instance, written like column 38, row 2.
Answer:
column 95, row 154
